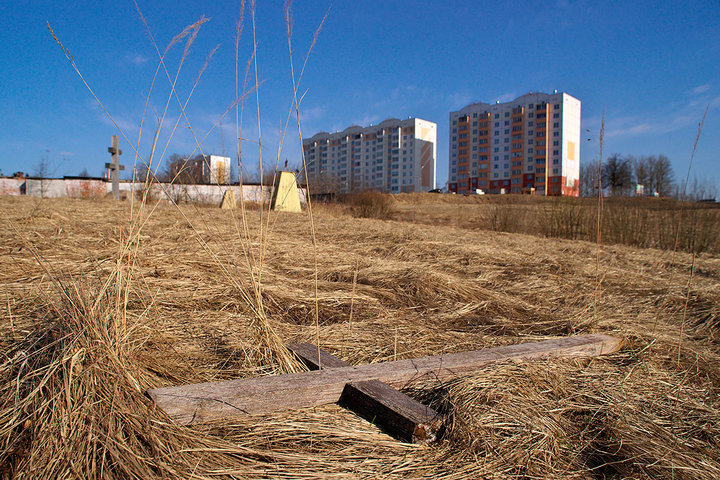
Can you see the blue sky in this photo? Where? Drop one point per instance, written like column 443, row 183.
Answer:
column 652, row 67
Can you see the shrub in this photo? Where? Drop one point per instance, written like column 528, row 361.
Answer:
column 370, row 204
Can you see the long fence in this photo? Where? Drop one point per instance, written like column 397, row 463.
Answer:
column 98, row 188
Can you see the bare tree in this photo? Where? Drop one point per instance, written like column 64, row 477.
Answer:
column 655, row 173
column 42, row 171
column 42, row 168
column 704, row 189
column 269, row 176
column 179, row 169
column 663, row 176
column 617, row 174
column 589, row 173
column 642, row 168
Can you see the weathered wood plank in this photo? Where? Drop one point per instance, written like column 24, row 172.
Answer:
column 204, row 402
column 392, row 410
column 377, row 402
column 315, row 358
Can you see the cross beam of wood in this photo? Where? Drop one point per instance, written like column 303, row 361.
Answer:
column 377, row 402
column 203, row 402
column 115, row 166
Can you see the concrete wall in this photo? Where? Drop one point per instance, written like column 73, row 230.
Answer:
column 93, row 188
column 209, row 193
column 12, row 186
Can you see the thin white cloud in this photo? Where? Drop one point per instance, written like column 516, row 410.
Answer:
column 125, row 125
column 701, row 89
column 137, row 59
column 312, row 114
column 66, row 154
column 635, row 126
column 507, row 97
column 460, row 99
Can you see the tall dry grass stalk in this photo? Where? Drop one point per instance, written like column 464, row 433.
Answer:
column 685, row 307
column 677, row 236
column 598, row 279
column 296, row 107
column 276, row 352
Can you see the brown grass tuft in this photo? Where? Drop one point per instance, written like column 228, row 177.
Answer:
column 370, row 204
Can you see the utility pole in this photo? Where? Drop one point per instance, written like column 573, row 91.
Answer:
column 115, row 166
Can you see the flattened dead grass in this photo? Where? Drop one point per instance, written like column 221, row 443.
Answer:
column 76, row 361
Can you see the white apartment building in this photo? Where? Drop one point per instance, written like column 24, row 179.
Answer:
column 395, row 156
column 529, row 145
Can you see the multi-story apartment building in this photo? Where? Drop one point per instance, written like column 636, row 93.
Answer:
column 395, row 156
column 528, row 145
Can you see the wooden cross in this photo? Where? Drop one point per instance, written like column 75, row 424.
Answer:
column 368, row 390
column 115, row 166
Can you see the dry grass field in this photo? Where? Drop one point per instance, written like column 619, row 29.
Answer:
column 95, row 312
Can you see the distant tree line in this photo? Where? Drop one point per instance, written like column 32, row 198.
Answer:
column 622, row 174
column 179, row 169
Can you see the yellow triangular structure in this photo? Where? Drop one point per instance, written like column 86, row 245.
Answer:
column 285, row 193
column 228, row 201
